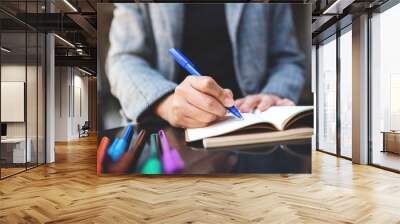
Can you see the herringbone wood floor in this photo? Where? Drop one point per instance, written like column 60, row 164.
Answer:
column 70, row 192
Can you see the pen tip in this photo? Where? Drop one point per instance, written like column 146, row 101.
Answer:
column 239, row 116
column 234, row 111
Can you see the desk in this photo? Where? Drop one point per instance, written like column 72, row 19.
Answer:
column 13, row 150
column 391, row 141
column 283, row 157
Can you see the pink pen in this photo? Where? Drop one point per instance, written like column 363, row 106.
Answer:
column 172, row 161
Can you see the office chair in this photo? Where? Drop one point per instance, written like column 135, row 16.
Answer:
column 84, row 130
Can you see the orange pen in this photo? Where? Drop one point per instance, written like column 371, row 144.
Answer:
column 101, row 153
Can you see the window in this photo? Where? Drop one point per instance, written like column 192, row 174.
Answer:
column 346, row 92
column 385, row 88
column 326, row 96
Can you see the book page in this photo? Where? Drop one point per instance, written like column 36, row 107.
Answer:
column 280, row 115
column 229, row 124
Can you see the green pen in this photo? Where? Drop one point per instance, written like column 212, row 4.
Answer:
column 153, row 164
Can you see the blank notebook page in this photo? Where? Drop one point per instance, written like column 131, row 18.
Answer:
column 230, row 123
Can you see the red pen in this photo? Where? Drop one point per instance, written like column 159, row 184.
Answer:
column 101, row 153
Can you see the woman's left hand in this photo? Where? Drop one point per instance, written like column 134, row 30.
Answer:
column 261, row 102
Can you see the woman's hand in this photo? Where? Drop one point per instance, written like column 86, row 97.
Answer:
column 261, row 102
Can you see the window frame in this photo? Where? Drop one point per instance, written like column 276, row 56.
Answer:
column 333, row 37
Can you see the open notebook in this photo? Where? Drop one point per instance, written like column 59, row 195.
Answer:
column 278, row 123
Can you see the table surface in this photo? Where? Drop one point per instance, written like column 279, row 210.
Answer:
column 390, row 132
column 282, row 157
column 13, row 140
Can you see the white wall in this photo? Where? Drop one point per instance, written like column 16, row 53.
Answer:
column 80, row 89
column 71, row 102
column 62, row 81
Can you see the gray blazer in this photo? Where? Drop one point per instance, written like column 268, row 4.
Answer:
column 266, row 55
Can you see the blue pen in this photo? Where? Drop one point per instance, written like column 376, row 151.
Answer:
column 121, row 144
column 189, row 66
column 117, row 137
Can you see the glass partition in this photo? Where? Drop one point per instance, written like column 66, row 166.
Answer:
column 14, row 153
column 22, row 90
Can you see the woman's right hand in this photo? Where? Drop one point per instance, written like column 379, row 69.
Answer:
column 196, row 102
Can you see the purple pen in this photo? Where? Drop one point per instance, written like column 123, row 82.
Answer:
column 172, row 162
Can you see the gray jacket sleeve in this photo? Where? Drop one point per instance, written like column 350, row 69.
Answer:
column 133, row 80
column 287, row 66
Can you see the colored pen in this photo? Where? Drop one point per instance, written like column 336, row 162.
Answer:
column 121, row 144
column 117, row 137
column 152, row 165
column 171, row 160
column 183, row 61
column 101, row 153
column 127, row 162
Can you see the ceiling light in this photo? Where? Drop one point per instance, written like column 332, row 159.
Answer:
column 70, row 5
column 84, row 71
column 337, row 7
column 5, row 50
column 65, row 41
